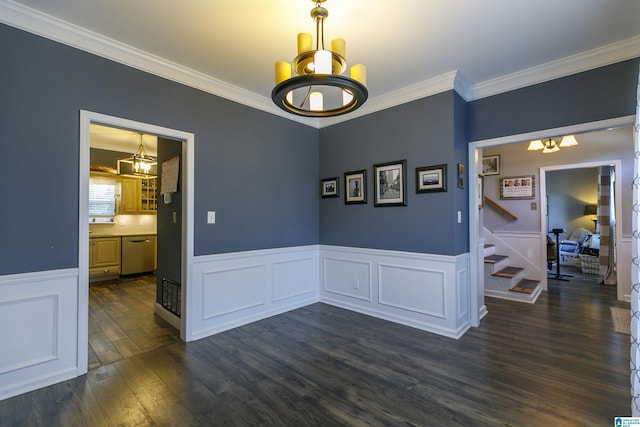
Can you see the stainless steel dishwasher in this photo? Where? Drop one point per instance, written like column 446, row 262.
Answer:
column 138, row 254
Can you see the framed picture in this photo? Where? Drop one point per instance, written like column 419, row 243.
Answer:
column 491, row 165
column 329, row 187
column 390, row 183
column 355, row 187
column 460, row 175
column 518, row 187
column 480, row 191
column 431, row 178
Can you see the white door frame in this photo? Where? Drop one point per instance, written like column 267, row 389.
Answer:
column 617, row 164
column 187, row 176
column 476, row 285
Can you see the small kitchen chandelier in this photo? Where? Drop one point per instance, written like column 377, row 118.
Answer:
column 319, row 89
column 139, row 164
column 551, row 145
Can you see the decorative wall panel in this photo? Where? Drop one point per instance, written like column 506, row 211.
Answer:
column 414, row 289
column 39, row 318
column 233, row 289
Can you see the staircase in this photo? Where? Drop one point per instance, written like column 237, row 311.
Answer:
column 504, row 281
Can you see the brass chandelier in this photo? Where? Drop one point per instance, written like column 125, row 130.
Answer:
column 140, row 164
column 319, row 89
column 551, row 145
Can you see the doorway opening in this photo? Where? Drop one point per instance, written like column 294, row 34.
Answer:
column 478, row 308
column 183, row 220
column 566, row 192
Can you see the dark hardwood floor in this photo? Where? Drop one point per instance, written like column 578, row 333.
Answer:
column 554, row 363
column 121, row 320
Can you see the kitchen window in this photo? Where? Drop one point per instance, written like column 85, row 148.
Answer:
column 102, row 200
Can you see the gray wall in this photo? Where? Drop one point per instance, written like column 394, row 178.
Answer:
column 169, row 234
column 599, row 94
column 424, row 133
column 240, row 155
column 568, row 192
column 259, row 172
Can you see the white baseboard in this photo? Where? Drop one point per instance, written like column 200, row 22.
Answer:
column 165, row 314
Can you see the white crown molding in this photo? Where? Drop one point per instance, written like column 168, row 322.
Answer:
column 36, row 22
column 414, row 92
column 595, row 58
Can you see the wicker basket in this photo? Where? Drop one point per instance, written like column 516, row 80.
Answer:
column 589, row 264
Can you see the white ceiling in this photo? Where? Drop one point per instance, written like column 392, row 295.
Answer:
column 122, row 140
column 410, row 47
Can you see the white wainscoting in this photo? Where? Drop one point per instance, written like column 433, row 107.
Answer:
column 39, row 318
column 623, row 268
column 233, row 289
column 429, row 292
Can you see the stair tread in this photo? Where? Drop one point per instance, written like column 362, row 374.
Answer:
column 526, row 286
column 492, row 259
column 508, row 272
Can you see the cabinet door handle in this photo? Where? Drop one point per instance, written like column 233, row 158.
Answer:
column 139, row 241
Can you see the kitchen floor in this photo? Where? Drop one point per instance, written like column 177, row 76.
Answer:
column 122, row 322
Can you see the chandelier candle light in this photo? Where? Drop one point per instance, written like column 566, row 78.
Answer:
column 319, row 89
column 551, row 145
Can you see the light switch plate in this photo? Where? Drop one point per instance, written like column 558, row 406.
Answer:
column 211, row 217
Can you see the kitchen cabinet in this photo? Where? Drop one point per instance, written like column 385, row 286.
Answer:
column 104, row 258
column 129, row 195
column 148, row 195
column 138, row 196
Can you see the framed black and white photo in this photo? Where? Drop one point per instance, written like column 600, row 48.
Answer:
column 518, row 187
column 355, row 187
column 460, row 175
column 329, row 187
column 491, row 165
column 431, row 179
column 390, row 183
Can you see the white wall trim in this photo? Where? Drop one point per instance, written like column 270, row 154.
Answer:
column 424, row 291
column 33, row 358
column 617, row 200
column 584, row 61
column 36, row 22
column 623, row 251
column 234, row 289
column 187, row 177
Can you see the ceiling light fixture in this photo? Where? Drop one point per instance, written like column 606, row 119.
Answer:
column 139, row 164
column 551, row 145
column 319, row 89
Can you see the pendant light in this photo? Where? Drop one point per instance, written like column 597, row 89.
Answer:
column 140, row 164
column 319, row 89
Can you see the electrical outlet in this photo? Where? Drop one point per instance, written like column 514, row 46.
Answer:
column 534, row 206
column 211, row 217
column 356, row 284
